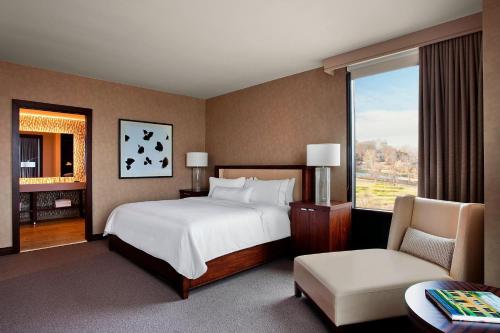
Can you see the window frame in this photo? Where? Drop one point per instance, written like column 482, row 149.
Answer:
column 351, row 131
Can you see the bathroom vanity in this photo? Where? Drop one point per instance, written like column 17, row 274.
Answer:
column 42, row 198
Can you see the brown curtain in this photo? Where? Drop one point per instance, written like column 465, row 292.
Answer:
column 451, row 120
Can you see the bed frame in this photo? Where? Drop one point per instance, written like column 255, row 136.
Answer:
column 231, row 263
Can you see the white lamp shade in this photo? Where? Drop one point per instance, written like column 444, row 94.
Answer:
column 323, row 154
column 197, row 159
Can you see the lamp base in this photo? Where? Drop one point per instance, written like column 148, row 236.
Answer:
column 322, row 188
column 196, row 180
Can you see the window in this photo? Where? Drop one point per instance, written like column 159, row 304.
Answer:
column 384, row 134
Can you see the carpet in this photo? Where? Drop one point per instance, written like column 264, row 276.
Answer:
column 87, row 288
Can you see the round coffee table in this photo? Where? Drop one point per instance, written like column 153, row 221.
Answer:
column 428, row 316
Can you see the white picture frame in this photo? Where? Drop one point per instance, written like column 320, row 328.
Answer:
column 145, row 149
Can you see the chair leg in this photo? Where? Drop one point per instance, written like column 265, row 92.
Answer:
column 298, row 291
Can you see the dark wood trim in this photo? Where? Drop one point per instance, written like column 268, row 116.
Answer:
column 350, row 158
column 307, row 184
column 242, row 260
column 120, row 148
column 22, row 104
column 88, row 170
column 307, row 175
column 96, row 237
column 50, row 107
column 16, row 105
column 6, row 250
column 253, row 166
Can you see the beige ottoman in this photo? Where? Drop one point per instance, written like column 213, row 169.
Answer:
column 357, row 286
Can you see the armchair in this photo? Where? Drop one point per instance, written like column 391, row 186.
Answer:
column 363, row 285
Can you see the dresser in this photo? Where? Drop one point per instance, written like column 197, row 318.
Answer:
column 320, row 228
column 190, row 193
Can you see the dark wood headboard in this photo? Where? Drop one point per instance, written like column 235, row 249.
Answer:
column 303, row 175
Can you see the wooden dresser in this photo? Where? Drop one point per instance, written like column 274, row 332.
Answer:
column 320, row 228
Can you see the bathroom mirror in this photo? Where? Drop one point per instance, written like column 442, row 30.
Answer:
column 45, row 154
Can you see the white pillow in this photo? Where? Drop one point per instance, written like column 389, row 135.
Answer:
column 289, row 190
column 232, row 194
column 268, row 191
column 249, row 179
column 236, row 182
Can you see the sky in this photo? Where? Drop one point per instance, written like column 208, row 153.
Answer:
column 386, row 107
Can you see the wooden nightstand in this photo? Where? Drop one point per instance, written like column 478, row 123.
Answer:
column 320, row 228
column 190, row 193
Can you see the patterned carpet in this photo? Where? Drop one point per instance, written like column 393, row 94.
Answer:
column 86, row 288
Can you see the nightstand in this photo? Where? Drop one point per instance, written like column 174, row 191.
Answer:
column 320, row 228
column 190, row 193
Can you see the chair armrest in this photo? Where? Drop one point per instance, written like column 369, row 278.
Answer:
column 468, row 257
column 401, row 220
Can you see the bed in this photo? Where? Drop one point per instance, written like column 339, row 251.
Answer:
column 224, row 231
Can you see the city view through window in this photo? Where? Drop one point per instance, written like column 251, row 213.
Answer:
column 385, row 137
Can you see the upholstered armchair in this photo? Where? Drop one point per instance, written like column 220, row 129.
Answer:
column 363, row 285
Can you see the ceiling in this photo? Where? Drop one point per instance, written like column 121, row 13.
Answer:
column 204, row 48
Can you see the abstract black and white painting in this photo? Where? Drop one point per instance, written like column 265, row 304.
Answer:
column 145, row 149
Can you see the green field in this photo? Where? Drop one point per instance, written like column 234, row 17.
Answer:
column 380, row 195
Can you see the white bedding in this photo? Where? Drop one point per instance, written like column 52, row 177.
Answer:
column 189, row 232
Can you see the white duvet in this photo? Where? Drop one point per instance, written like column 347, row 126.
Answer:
column 189, row 232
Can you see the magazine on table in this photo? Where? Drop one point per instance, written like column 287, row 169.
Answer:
column 464, row 305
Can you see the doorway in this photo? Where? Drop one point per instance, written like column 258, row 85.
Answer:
column 51, row 175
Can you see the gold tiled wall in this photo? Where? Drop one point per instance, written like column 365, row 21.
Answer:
column 40, row 123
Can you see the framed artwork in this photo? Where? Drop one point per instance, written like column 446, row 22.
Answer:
column 145, row 149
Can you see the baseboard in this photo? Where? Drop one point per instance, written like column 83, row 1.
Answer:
column 6, row 250
column 96, row 237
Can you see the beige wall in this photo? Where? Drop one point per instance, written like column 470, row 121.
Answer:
column 271, row 123
column 109, row 102
column 491, row 49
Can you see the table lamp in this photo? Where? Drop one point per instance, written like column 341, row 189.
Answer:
column 323, row 156
column 197, row 161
